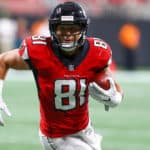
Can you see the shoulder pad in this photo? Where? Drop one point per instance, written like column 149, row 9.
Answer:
column 99, row 43
column 102, row 51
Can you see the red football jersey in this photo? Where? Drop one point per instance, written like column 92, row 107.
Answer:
column 62, row 83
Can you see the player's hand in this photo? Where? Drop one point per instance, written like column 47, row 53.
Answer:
column 3, row 108
column 110, row 97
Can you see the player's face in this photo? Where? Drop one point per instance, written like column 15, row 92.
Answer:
column 68, row 33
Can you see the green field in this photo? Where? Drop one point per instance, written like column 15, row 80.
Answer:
column 126, row 127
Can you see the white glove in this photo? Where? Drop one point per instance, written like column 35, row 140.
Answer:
column 3, row 108
column 110, row 97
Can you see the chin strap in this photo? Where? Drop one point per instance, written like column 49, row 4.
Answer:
column 68, row 47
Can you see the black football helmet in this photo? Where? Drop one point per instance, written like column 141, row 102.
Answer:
column 68, row 13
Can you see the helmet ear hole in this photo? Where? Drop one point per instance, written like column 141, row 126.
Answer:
column 68, row 13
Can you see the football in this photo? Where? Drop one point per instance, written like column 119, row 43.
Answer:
column 102, row 81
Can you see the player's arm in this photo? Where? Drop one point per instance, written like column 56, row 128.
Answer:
column 110, row 97
column 10, row 59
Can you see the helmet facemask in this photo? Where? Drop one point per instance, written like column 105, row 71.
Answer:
column 77, row 40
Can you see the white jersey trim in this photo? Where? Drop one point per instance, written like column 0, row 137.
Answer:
column 25, row 55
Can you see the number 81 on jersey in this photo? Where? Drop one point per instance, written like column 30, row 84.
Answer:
column 67, row 90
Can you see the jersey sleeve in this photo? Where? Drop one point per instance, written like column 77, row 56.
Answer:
column 23, row 51
column 103, row 53
column 106, row 55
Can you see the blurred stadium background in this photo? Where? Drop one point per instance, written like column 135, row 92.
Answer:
column 123, row 128
column 19, row 19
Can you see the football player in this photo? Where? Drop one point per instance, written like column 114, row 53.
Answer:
column 64, row 66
